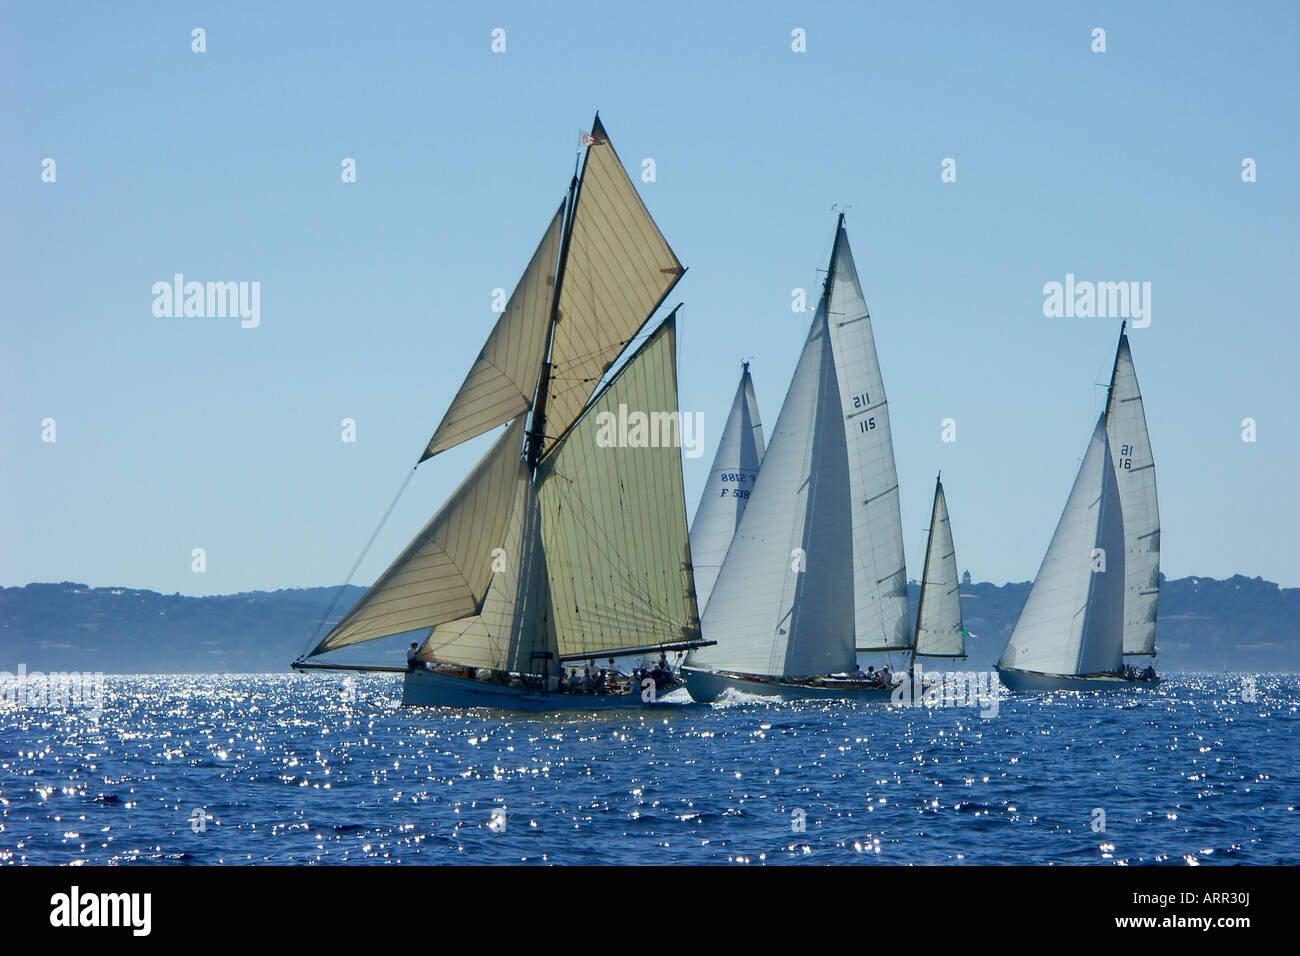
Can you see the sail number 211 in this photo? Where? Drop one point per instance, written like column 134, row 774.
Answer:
column 862, row 401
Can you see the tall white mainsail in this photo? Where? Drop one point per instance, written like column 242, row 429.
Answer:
column 445, row 572
column 614, row 515
column 879, row 574
column 501, row 381
column 728, row 489
column 1073, row 619
column 939, row 630
column 783, row 601
column 1135, row 473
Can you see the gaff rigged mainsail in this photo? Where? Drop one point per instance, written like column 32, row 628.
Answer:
column 614, row 515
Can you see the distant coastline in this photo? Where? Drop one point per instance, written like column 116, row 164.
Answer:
column 1204, row 624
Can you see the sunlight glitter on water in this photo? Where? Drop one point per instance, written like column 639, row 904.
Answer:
column 290, row 768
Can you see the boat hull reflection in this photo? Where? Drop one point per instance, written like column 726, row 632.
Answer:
column 429, row 688
column 706, row 686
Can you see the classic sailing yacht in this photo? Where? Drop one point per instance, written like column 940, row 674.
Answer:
column 815, row 570
column 1094, row 598
column 939, row 629
column 568, row 541
column 731, row 482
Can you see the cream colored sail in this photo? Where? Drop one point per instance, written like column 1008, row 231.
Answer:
column 1135, row 472
column 444, row 573
column 514, row 621
column 614, row 515
column 618, row 269
column 501, row 382
column 879, row 572
column 939, row 630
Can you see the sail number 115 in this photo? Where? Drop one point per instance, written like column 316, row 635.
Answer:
column 862, row 400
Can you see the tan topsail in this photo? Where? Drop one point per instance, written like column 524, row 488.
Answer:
column 619, row 270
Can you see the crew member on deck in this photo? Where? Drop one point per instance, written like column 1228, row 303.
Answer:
column 413, row 662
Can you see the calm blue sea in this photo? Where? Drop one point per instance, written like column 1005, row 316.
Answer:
column 324, row 769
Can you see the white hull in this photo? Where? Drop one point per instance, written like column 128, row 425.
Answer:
column 706, row 686
column 432, row 689
column 1030, row 682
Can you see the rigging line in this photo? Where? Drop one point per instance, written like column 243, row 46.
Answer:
column 361, row 557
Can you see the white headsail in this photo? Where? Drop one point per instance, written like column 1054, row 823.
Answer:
column 1073, row 620
column 879, row 574
column 939, row 630
column 815, row 570
column 1135, row 473
column 783, row 601
column 728, row 489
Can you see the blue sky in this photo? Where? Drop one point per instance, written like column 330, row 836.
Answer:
column 375, row 296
